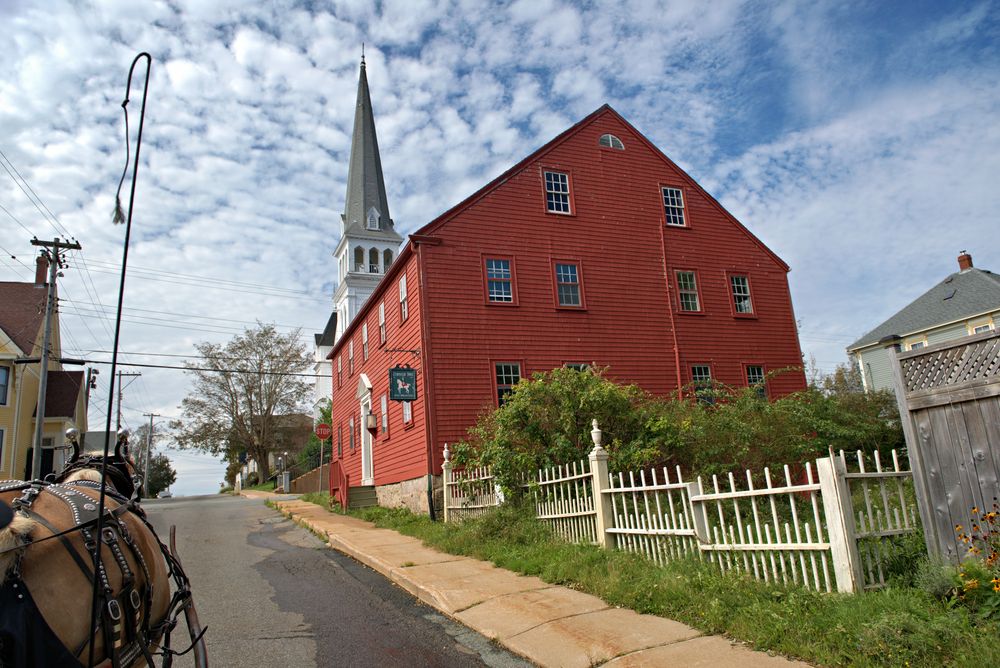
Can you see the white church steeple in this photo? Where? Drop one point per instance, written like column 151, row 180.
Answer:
column 369, row 241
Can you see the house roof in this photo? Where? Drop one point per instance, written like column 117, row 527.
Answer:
column 327, row 336
column 961, row 295
column 426, row 232
column 61, row 393
column 22, row 311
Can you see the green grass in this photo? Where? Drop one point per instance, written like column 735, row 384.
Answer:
column 897, row 626
column 263, row 487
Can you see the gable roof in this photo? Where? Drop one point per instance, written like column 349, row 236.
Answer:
column 961, row 295
column 426, row 233
column 22, row 311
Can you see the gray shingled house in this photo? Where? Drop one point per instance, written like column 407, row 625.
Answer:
column 966, row 302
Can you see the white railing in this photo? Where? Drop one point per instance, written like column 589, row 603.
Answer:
column 564, row 499
column 798, row 528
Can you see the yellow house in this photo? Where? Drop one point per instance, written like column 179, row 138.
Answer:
column 22, row 320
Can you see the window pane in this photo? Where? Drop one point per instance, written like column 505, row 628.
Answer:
column 673, row 206
column 568, row 285
column 741, row 294
column 557, row 192
column 499, row 284
column 687, row 289
column 507, row 374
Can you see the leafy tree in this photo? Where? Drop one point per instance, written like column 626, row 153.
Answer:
column 309, row 456
column 161, row 475
column 240, row 390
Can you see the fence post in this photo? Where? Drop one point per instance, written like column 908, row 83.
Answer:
column 446, row 474
column 601, row 481
column 837, row 510
column 699, row 516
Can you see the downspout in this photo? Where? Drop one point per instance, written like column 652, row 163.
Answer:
column 670, row 310
column 430, row 430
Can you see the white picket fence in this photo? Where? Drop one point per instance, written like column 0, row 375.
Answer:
column 799, row 528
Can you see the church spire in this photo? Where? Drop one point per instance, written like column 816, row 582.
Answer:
column 366, row 207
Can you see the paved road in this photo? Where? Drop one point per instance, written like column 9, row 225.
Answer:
column 271, row 594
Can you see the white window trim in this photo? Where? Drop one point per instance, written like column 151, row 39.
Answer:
column 10, row 376
column 364, row 341
column 979, row 322
column 404, row 307
column 568, row 193
column 350, row 357
column 381, row 323
column 384, row 403
column 909, row 343
column 407, row 412
column 682, row 208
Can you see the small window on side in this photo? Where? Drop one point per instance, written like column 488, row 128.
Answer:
column 557, row 192
column 673, row 207
column 701, row 378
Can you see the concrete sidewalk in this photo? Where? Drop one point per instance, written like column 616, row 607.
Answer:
column 549, row 625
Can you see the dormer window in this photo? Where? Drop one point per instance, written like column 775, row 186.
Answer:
column 611, row 141
column 373, row 219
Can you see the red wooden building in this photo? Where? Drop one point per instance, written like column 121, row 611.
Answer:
column 595, row 249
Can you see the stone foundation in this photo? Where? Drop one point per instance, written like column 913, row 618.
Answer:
column 411, row 494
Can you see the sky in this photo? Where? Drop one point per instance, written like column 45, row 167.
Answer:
column 860, row 141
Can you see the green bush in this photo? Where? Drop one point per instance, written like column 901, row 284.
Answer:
column 546, row 421
column 253, row 479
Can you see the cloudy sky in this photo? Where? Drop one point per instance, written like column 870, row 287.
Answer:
column 860, row 141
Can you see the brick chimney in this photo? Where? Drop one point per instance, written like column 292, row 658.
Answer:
column 42, row 269
column 964, row 261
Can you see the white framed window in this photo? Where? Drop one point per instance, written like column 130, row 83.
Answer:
column 381, row 323
column 2, row 434
column 740, row 286
column 404, row 309
column 499, row 281
column 687, row 291
column 340, row 368
column 364, row 341
column 340, row 441
column 557, row 192
column 980, row 326
column 568, row 284
column 350, row 358
column 673, row 206
column 577, row 366
column 755, row 379
column 4, row 383
column 350, row 433
column 508, row 374
column 385, row 414
column 407, row 412
column 916, row 345
column 611, row 141
column 701, row 378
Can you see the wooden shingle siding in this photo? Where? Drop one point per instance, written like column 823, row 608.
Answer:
column 627, row 256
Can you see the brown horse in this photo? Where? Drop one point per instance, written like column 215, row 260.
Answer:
column 47, row 572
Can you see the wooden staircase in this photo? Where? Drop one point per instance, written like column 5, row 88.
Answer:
column 362, row 497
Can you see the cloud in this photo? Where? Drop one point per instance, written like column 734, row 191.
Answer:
column 864, row 157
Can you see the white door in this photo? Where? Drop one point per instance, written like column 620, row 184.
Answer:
column 367, row 475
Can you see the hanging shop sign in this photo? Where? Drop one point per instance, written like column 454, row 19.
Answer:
column 403, row 383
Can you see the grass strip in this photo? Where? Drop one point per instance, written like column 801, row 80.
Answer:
column 896, row 626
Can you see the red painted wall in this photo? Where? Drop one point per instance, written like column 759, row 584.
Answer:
column 627, row 257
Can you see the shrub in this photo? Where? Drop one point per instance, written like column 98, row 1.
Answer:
column 253, row 479
column 546, row 421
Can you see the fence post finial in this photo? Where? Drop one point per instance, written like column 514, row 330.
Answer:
column 597, row 435
column 447, row 453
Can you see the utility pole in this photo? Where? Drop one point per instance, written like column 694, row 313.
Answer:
column 149, row 446
column 55, row 264
column 122, row 374
column 92, row 374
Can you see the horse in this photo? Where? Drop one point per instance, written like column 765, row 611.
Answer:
column 48, row 613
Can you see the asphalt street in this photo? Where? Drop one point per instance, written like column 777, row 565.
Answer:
column 272, row 594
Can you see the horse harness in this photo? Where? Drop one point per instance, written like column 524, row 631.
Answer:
column 124, row 619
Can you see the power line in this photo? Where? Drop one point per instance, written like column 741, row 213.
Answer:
column 197, row 368
column 196, row 277
column 188, row 315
